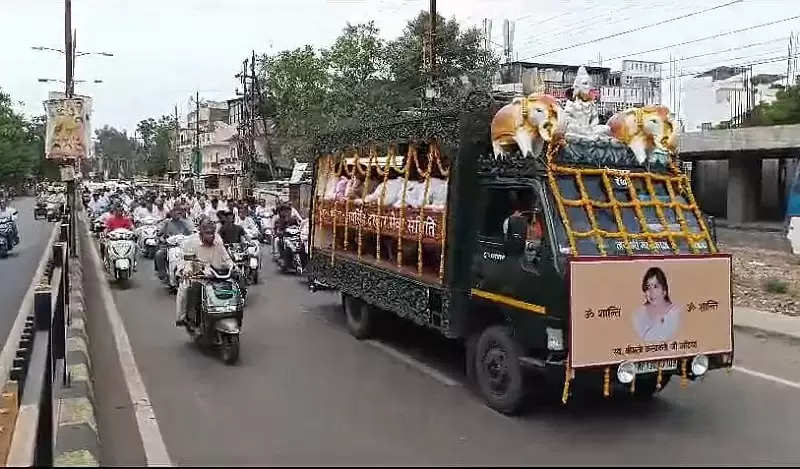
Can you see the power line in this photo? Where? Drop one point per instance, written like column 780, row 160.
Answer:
column 746, row 46
column 705, row 38
column 640, row 28
column 741, row 65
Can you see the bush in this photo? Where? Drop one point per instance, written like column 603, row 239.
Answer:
column 776, row 285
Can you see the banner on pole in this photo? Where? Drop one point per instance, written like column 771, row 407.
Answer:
column 68, row 128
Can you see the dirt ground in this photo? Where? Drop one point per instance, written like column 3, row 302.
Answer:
column 757, row 258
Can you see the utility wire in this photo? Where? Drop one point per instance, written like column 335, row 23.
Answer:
column 746, row 46
column 742, row 65
column 705, row 38
column 639, row 28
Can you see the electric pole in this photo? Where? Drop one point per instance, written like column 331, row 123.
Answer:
column 197, row 153
column 176, row 161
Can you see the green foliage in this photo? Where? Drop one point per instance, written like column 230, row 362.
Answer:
column 156, row 148
column 117, row 151
column 776, row 285
column 785, row 110
column 21, row 143
column 364, row 80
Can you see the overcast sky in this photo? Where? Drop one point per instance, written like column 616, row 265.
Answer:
column 164, row 50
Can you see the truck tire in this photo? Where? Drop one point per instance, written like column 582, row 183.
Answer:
column 497, row 370
column 360, row 317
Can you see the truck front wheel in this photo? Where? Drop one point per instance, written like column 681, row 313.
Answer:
column 497, row 370
column 360, row 317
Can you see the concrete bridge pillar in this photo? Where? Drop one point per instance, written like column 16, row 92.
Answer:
column 744, row 189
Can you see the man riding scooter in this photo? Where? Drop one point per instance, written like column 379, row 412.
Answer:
column 208, row 248
column 118, row 220
column 176, row 224
column 10, row 213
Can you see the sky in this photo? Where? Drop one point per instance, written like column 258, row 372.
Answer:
column 165, row 50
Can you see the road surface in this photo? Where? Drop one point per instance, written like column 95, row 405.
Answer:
column 306, row 393
column 16, row 271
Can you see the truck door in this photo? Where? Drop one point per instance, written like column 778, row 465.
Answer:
column 522, row 278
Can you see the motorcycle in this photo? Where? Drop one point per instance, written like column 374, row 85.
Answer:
column 54, row 210
column 147, row 233
column 247, row 257
column 174, row 260
column 41, row 210
column 7, row 238
column 120, row 254
column 98, row 225
column 265, row 223
column 294, row 253
column 215, row 308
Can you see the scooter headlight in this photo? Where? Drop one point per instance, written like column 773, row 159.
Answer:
column 700, row 365
column 626, row 371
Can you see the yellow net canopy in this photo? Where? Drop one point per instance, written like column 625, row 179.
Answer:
column 613, row 212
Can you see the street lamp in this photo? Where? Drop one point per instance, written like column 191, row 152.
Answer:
column 77, row 53
column 51, row 80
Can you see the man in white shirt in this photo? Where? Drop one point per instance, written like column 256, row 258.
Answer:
column 208, row 248
column 247, row 222
column 8, row 212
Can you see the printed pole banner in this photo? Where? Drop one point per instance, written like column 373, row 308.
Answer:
column 649, row 308
column 67, row 129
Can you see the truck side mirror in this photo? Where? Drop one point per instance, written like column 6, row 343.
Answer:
column 516, row 235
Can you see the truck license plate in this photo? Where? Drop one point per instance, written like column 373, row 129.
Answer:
column 652, row 366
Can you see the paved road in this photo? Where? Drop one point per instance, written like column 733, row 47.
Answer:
column 16, row 271
column 306, row 393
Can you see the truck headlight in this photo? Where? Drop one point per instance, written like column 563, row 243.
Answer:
column 555, row 339
column 700, row 365
column 626, row 371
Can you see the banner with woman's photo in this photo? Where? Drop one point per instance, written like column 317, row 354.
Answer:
column 649, row 308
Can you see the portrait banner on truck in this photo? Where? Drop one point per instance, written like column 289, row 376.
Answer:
column 67, row 129
column 649, row 308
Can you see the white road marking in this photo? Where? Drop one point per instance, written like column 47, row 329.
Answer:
column 774, row 379
column 154, row 448
column 414, row 363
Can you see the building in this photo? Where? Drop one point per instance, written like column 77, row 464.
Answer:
column 210, row 112
column 219, row 169
column 557, row 78
column 637, row 84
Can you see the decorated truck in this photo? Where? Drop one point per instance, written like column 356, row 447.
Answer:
column 550, row 245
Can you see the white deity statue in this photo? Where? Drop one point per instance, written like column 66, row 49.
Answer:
column 580, row 112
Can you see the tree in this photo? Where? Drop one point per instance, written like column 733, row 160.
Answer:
column 297, row 85
column 785, row 110
column 458, row 53
column 117, row 151
column 21, row 143
column 154, row 152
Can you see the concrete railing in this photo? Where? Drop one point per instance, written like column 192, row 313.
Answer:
column 33, row 360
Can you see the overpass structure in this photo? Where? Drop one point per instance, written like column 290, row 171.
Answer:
column 744, row 149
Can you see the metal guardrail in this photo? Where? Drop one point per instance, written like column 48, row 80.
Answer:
column 33, row 360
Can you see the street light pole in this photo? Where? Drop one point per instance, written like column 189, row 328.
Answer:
column 68, row 49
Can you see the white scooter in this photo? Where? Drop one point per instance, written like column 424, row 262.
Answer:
column 174, row 260
column 120, row 254
column 147, row 232
column 254, row 254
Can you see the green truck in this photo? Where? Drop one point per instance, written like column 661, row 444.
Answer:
column 575, row 265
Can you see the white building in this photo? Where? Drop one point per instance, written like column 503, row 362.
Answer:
column 717, row 96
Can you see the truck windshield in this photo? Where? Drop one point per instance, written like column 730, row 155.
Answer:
column 610, row 212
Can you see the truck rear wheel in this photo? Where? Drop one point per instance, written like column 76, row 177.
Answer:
column 360, row 317
column 497, row 370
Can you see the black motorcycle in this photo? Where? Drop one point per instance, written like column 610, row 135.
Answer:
column 40, row 211
column 8, row 236
column 215, row 308
column 293, row 255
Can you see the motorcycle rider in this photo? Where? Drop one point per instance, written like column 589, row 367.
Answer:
column 246, row 221
column 176, row 224
column 229, row 231
column 6, row 211
column 118, row 220
column 285, row 219
column 209, row 249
